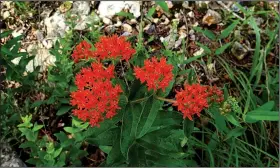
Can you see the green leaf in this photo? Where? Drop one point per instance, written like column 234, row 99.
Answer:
column 151, row 12
column 115, row 156
column 188, row 126
column 236, row 132
column 156, row 105
column 105, row 149
column 209, row 34
column 222, row 49
column 6, row 33
column 37, row 127
column 227, row 31
column 261, row 115
column 57, row 152
column 205, row 48
column 232, row 120
column 37, row 103
column 136, row 156
column 63, row 110
column 125, row 14
column 27, row 144
column 163, row 6
column 267, row 106
column 71, row 130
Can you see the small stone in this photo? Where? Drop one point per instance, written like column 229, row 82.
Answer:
column 199, row 52
column 6, row 14
column 211, row 17
column 47, row 43
column 110, row 29
column 155, row 20
column 65, row 6
column 118, row 24
column 238, row 50
column 169, row 4
column 166, row 21
column 133, row 21
column 186, row 5
column 81, row 7
column 127, row 28
column 39, row 35
column 190, row 14
column 17, row 33
column 202, row 4
column 126, row 34
column 107, row 21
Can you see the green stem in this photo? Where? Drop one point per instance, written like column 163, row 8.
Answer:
column 167, row 100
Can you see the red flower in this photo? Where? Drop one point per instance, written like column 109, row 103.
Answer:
column 113, row 47
column 96, row 97
column 194, row 98
column 156, row 74
column 82, row 51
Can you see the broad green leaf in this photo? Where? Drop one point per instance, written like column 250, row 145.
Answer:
column 136, row 156
column 188, row 126
column 125, row 14
column 220, row 122
column 261, row 115
column 267, row 106
column 38, row 103
column 37, row 127
column 163, row 6
column 115, row 156
column 71, row 130
column 209, row 34
column 129, row 127
column 227, row 31
column 205, row 48
column 156, row 105
column 222, row 49
column 6, row 33
column 232, row 120
column 151, row 12
column 236, row 132
column 57, row 152
column 28, row 144
column 105, row 149
column 63, row 110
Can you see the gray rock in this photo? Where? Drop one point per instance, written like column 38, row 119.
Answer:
column 186, row 5
column 81, row 8
column 238, row 50
column 211, row 17
column 8, row 157
column 56, row 25
column 127, row 28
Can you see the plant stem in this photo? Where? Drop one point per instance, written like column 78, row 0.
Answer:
column 139, row 100
column 167, row 100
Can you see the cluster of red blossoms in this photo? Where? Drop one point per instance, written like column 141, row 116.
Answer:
column 113, row 47
column 156, row 74
column 107, row 48
column 194, row 98
column 82, row 51
column 96, row 98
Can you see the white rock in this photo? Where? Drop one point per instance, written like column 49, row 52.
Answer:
column 127, row 28
column 47, row 43
column 43, row 59
column 190, row 14
column 56, row 25
column 110, row 8
column 118, row 24
column 81, row 7
column 155, row 20
column 6, row 14
column 134, row 7
column 133, row 21
column 107, row 21
column 211, row 17
column 186, row 5
column 199, row 52
column 17, row 33
column 82, row 23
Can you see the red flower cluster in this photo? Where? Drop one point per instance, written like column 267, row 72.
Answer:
column 194, row 98
column 113, row 47
column 156, row 74
column 82, row 51
column 96, row 97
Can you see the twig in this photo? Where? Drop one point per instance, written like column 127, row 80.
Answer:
column 228, row 9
